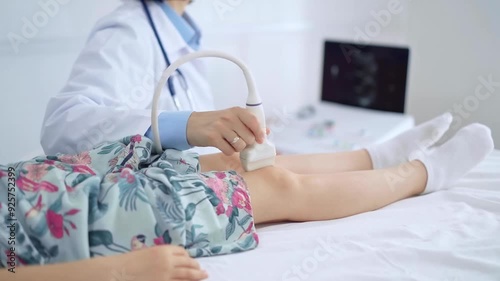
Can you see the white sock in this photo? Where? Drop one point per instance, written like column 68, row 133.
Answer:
column 449, row 162
column 397, row 150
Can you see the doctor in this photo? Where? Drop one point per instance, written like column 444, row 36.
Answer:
column 110, row 89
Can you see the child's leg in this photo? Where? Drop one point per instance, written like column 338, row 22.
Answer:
column 391, row 153
column 300, row 164
column 326, row 163
column 280, row 195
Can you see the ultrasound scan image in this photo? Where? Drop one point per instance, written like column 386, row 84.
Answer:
column 365, row 76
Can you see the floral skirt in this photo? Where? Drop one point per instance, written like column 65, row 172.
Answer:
column 119, row 197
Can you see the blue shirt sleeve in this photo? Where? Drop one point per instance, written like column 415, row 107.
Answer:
column 173, row 129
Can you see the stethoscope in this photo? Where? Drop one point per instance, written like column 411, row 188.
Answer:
column 181, row 78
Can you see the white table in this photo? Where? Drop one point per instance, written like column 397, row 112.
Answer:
column 353, row 128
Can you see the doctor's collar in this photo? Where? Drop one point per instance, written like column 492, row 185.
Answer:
column 184, row 24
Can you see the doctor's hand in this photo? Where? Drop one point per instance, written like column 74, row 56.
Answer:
column 230, row 130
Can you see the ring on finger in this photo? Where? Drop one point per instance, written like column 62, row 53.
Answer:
column 235, row 140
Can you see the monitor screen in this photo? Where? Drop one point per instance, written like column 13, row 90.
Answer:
column 366, row 76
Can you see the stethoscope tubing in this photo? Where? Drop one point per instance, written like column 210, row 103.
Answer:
column 170, row 83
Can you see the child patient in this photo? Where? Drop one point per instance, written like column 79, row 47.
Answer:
column 119, row 197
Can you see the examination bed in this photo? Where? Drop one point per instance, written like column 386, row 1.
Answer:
column 449, row 235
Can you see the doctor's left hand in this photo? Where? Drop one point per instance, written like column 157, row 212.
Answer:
column 230, row 130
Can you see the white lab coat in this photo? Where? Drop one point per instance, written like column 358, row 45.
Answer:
column 110, row 89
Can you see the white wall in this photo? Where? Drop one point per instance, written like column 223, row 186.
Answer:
column 282, row 41
column 29, row 77
column 453, row 43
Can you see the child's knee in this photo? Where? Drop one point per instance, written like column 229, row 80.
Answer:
column 284, row 180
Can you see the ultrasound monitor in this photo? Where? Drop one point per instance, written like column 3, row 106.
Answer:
column 366, row 76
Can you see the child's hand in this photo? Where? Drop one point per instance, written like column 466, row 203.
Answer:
column 160, row 263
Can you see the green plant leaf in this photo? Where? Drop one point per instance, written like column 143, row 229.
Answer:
column 96, row 209
column 216, row 250
column 79, row 179
column 57, row 205
column 37, row 244
column 230, row 228
column 100, row 237
column 54, row 251
column 244, row 220
column 199, row 252
column 247, row 243
column 190, row 211
column 166, row 237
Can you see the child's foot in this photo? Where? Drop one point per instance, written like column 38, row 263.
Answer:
column 449, row 162
column 398, row 149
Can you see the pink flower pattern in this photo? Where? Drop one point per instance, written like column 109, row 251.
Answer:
column 81, row 159
column 28, row 185
column 36, row 172
column 127, row 175
column 136, row 139
column 241, row 200
column 230, row 198
column 221, row 189
column 220, row 175
column 56, row 209
column 159, row 241
column 55, row 224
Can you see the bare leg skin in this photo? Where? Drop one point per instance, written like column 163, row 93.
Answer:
column 315, row 190
column 326, row 163
column 300, row 164
column 280, row 195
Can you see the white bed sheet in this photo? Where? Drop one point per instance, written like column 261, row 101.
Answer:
column 449, row 235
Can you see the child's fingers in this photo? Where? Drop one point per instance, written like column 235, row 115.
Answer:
column 186, row 262
column 178, row 251
column 189, row 274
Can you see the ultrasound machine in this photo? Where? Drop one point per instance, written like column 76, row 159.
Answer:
column 362, row 101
